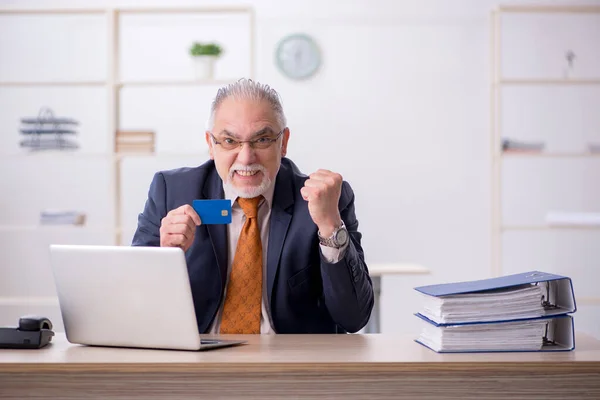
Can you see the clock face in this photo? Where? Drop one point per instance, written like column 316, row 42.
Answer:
column 298, row 56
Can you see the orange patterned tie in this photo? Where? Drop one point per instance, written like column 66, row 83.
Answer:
column 241, row 313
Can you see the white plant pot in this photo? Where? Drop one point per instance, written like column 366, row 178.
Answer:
column 204, row 67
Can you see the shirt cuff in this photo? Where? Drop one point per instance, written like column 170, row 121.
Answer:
column 333, row 255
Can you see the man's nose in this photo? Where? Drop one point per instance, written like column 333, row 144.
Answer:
column 246, row 154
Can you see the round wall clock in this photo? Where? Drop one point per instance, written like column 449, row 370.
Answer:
column 297, row 56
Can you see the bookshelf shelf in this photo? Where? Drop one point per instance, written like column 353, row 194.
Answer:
column 176, row 83
column 53, row 84
column 547, row 82
column 130, row 10
column 121, row 156
column 56, row 155
column 56, row 228
column 202, row 156
column 183, row 10
column 548, row 228
column 549, row 9
column 549, row 155
column 54, row 11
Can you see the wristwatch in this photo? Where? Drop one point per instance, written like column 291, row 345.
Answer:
column 338, row 239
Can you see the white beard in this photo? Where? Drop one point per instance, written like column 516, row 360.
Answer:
column 248, row 192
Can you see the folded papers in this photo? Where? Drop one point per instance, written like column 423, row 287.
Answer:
column 493, row 305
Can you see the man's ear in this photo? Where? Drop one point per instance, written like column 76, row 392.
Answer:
column 210, row 144
column 284, row 141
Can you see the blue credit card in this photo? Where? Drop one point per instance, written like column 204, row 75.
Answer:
column 213, row 211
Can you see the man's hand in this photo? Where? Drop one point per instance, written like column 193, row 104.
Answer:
column 322, row 191
column 178, row 228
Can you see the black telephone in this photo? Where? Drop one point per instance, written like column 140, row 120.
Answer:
column 33, row 332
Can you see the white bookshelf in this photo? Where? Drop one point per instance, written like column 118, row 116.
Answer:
column 527, row 237
column 114, row 85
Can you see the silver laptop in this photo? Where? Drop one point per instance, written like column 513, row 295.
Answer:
column 127, row 297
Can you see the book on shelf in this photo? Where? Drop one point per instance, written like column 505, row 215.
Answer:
column 562, row 218
column 62, row 217
column 519, row 146
column 520, row 312
column 134, row 142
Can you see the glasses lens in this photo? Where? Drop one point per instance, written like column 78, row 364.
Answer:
column 228, row 143
column 263, row 143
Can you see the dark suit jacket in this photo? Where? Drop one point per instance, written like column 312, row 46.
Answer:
column 306, row 294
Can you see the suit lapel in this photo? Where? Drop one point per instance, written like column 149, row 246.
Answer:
column 281, row 216
column 213, row 189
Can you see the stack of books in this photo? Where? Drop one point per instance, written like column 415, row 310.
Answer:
column 134, row 142
column 521, row 312
column 62, row 217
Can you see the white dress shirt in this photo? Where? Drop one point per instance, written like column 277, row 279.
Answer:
column 238, row 218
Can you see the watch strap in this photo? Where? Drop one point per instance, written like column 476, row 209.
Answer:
column 331, row 240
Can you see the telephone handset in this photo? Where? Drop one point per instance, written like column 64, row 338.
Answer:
column 33, row 332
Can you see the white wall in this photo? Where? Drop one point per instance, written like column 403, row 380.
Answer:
column 400, row 107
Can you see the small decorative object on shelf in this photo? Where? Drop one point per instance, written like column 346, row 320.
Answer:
column 594, row 147
column 570, row 57
column 134, row 142
column 204, row 56
column 47, row 132
column 516, row 146
column 62, row 217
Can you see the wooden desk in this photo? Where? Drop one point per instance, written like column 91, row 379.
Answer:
column 300, row 366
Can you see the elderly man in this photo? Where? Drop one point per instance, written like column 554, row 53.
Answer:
column 291, row 259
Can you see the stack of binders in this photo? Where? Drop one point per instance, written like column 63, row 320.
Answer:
column 521, row 312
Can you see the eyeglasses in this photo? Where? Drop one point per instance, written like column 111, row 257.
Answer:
column 263, row 142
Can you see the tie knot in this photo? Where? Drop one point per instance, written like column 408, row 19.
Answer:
column 250, row 206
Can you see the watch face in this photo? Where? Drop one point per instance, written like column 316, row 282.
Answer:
column 297, row 56
column 341, row 237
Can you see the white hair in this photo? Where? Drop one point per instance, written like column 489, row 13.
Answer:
column 247, row 89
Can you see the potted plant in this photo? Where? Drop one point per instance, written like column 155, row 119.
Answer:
column 204, row 56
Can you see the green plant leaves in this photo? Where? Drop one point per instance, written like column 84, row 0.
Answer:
column 205, row 49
